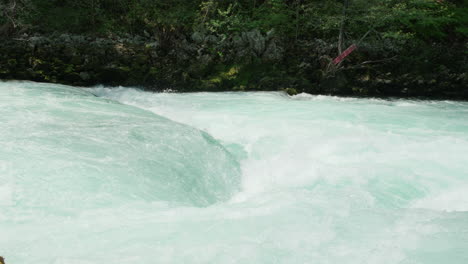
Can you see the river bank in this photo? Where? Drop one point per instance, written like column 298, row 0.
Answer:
column 248, row 61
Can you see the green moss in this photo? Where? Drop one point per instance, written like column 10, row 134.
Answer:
column 239, row 88
column 69, row 68
column 12, row 62
column 125, row 69
column 216, row 80
column 36, row 62
column 254, row 76
column 231, row 73
column 291, row 91
column 153, row 71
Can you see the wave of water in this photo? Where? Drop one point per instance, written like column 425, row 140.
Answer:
column 322, row 179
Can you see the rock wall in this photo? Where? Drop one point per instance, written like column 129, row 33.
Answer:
column 202, row 62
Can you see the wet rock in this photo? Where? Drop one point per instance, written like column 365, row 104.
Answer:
column 72, row 78
column 211, row 39
column 205, row 59
column 65, row 38
column 273, row 52
column 35, row 41
column 291, row 91
column 237, row 41
column 270, row 34
column 43, row 66
column 85, row 76
column 114, row 75
column 152, row 45
column 204, row 62
column 69, row 52
column 239, row 88
column 337, row 84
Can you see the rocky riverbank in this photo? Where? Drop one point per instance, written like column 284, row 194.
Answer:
column 242, row 62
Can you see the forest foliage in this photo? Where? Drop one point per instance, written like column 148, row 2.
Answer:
column 424, row 20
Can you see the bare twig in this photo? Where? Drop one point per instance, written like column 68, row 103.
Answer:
column 10, row 13
column 343, row 20
column 378, row 61
column 362, row 64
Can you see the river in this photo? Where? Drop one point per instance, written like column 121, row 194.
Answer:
column 119, row 175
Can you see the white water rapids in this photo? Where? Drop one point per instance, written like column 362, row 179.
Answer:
column 119, row 175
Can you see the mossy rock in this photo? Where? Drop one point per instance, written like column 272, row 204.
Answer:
column 4, row 72
column 312, row 88
column 44, row 67
column 12, row 62
column 141, row 59
column 23, row 75
column 69, row 68
column 114, row 75
column 209, row 85
column 72, row 78
column 291, row 91
column 198, row 70
column 337, row 84
column 360, row 90
column 239, row 88
column 76, row 60
column 153, row 74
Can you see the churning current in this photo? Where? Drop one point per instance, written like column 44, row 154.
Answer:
column 119, row 175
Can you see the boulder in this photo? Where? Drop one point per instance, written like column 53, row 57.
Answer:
column 85, row 76
column 337, row 84
column 255, row 40
column 198, row 37
column 273, row 52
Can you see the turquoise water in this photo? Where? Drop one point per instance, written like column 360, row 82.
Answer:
column 124, row 176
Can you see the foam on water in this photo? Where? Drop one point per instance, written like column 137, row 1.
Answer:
column 62, row 147
column 323, row 179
